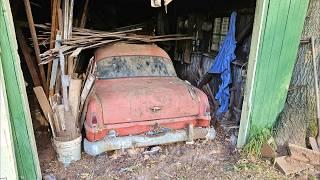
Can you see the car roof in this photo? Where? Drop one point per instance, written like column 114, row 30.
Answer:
column 126, row 49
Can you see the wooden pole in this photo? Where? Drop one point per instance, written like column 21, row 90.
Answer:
column 35, row 43
column 84, row 15
column 27, row 57
column 54, row 18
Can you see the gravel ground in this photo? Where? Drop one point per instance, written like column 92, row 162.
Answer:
column 201, row 160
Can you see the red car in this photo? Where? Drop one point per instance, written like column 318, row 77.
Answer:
column 138, row 100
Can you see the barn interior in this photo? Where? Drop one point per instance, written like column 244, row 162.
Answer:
column 206, row 22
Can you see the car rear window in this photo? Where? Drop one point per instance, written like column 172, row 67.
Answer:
column 134, row 66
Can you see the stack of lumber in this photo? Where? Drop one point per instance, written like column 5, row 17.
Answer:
column 88, row 39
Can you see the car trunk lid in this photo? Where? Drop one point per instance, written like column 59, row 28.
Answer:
column 140, row 99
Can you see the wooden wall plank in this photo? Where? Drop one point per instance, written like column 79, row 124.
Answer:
column 257, row 33
column 8, row 164
column 277, row 53
column 22, row 130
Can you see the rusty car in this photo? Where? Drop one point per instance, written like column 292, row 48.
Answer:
column 137, row 100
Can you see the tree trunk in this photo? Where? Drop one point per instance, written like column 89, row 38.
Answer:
column 300, row 108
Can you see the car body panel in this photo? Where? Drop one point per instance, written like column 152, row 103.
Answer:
column 136, row 105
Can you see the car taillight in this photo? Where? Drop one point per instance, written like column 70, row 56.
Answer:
column 94, row 120
column 208, row 109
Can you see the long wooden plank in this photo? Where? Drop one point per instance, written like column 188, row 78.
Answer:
column 43, row 101
column 21, row 123
column 54, row 19
column 74, row 96
column 35, row 44
column 27, row 57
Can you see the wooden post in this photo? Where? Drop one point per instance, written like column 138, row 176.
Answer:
column 20, row 118
column 54, row 20
column 35, row 44
column 27, row 57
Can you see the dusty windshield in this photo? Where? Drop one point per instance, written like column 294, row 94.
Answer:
column 134, row 66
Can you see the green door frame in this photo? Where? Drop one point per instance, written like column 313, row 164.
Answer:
column 275, row 40
column 26, row 156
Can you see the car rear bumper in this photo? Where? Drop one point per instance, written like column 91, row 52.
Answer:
column 125, row 142
column 135, row 128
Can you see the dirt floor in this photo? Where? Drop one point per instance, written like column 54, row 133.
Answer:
column 201, row 160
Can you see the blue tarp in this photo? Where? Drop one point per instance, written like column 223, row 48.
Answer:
column 222, row 65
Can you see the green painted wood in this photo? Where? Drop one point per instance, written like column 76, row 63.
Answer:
column 8, row 165
column 275, row 62
column 256, row 42
column 22, row 130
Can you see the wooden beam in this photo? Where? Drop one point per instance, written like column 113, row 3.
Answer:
column 32, row 67
column 35, row 44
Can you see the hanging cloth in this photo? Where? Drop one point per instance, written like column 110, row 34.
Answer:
column 222, row 65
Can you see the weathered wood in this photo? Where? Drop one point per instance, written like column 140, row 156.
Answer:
column 305, row 155
column 35, row 44
column 54, row 67
column 87, row 87
column 27, row 57
column 289, row 166
column 65, row 15
column 74, row 96
column 70, row 65
column 60, row 17
column 70, row 19
column 313, row 144
column 22, row 131
column 53, row 129
column 59, row 115
column 54, row 19
column 43, row 101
